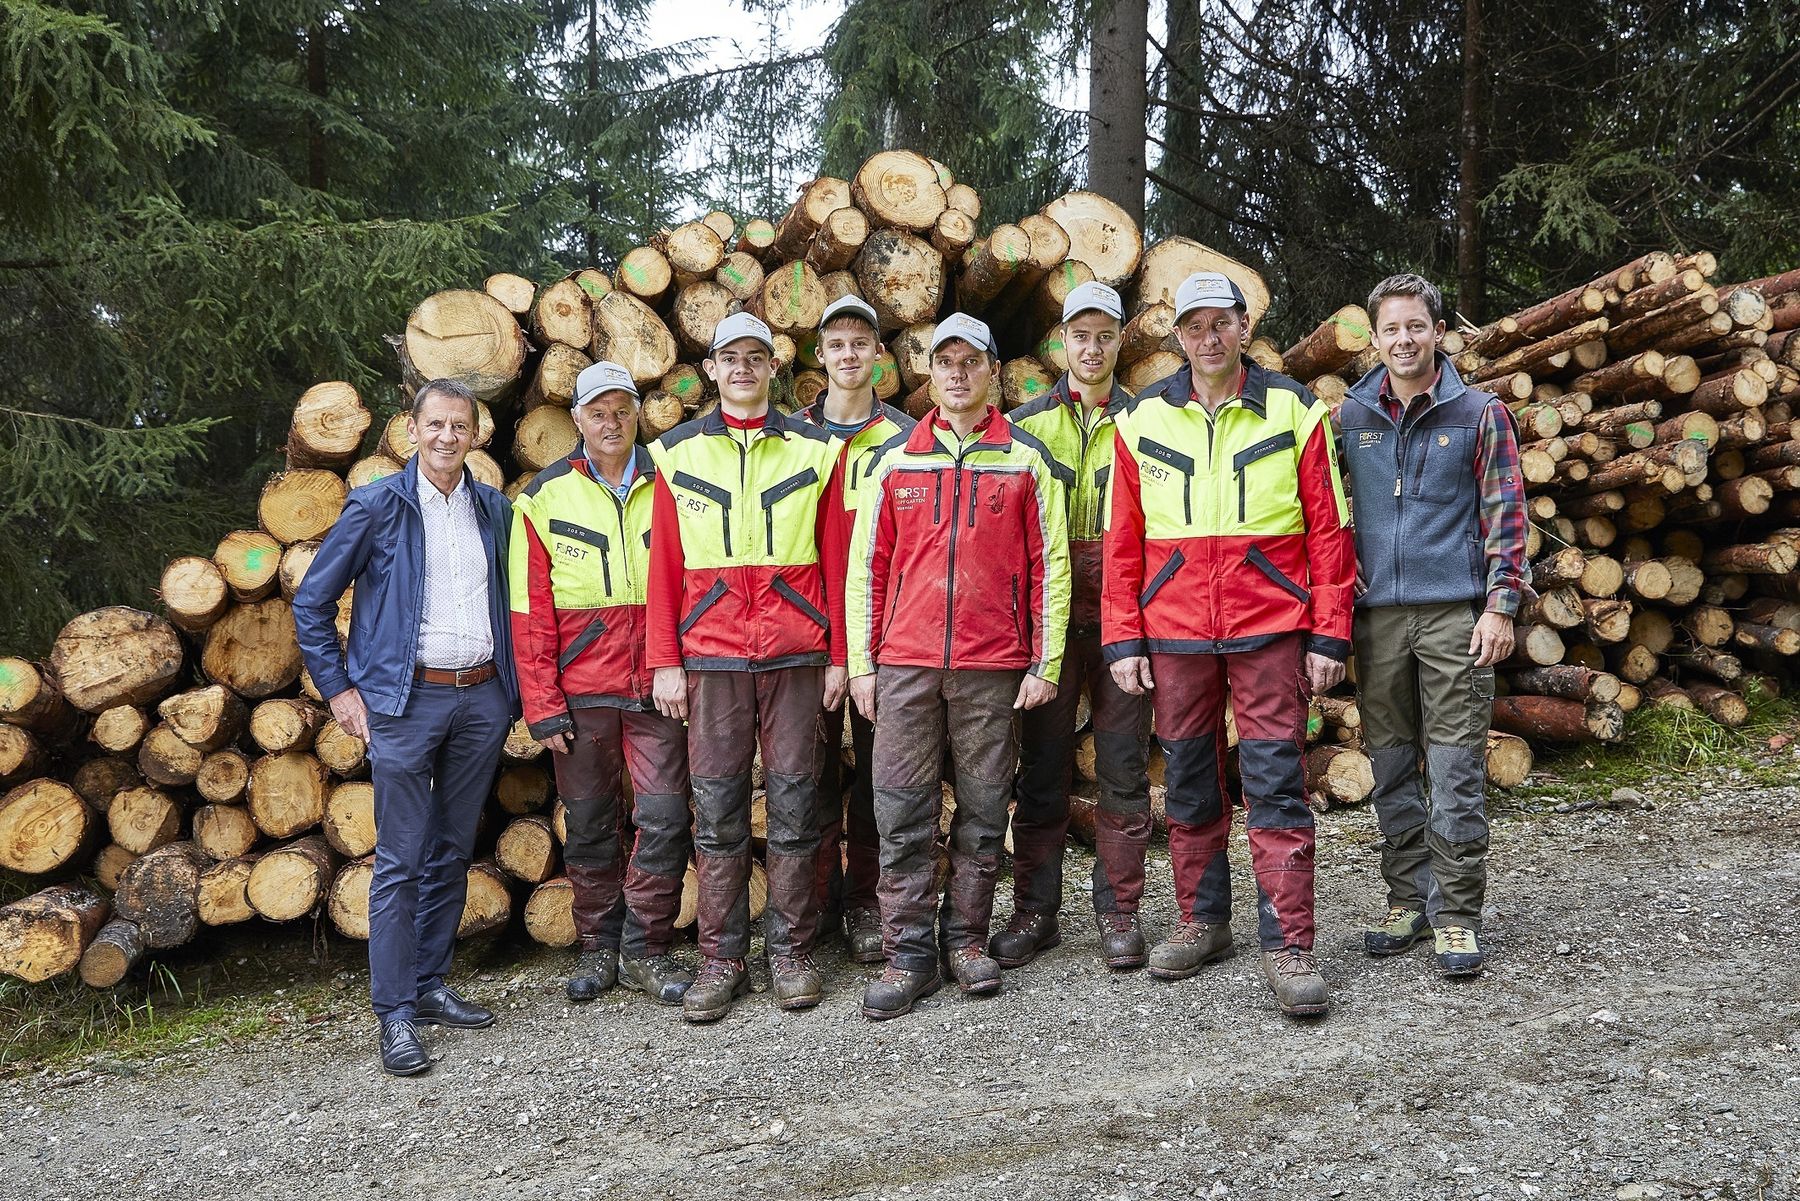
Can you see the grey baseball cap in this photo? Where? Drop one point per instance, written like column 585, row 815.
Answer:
column 1093, row 295
column 602, row 377
column 961, row 325
column 743, row 325
column 1208, row 290
column 850, row 305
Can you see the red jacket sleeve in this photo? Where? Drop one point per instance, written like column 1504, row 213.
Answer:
column 834, row 552
column 1122, row 548
column 536, row 639
column 1330, row 546
column 662, row 608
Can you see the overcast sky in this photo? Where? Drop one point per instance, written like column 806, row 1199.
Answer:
column 804, row 23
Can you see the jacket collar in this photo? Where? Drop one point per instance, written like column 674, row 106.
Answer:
column 995, row 430
column 1178, row 389
column 815, row 413
column 777, row 423
column 643, row 467
column 1065, row 394
column 1367, row 390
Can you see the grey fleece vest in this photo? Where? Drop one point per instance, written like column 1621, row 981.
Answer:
column 1415, row 499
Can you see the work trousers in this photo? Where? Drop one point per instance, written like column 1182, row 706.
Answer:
column 849, row 849
column 618, row 905
column 432, row 768
column 1269, row 703
column 730, row 713
column 1423, row 700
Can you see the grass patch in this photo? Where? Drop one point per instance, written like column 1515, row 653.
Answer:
column 1660, row 741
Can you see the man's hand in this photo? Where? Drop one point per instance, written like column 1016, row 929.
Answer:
column 836, row 680
column 1133, row 675
column 1034, row 691
column 347, row 706
column 1493, row 639
column 1323, row 673
column 862, row 694
column 669, row 690
column 558, row 742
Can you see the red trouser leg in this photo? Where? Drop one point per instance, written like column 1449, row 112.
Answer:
column 1189, row 701
column 1269, row 703
column 587, row 779
column 656, row 757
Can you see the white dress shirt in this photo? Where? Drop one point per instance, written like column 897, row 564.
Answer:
column 455, row 630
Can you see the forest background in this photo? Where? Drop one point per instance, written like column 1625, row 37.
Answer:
column 206, row 207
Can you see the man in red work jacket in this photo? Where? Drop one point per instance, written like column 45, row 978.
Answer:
column 955, row 612
column 739, row 639
column 1229, row 561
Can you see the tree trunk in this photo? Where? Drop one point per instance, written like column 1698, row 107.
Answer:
column 223, row 776
column 165, row 759
column 116, row 656
column 328, row 427
column 628, row 332
column 204, row 718
column 43, row 935
column 466, row 336
column 141, row 819
column 899, row 189
column 526, row 850
column 901, row 276
column 549, row 913
column 1118, row 98
column 1471, row 155
column 31, row 699
column 487, row 905
column 348, row 902
column 1103, row 230
column 222, row 900
column 342, row 752
column 224, row 831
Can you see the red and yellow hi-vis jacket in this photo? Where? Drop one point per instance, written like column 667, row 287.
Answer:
column 739, row 550
column 1226, row 531
column 960, row 557
column 579, row 559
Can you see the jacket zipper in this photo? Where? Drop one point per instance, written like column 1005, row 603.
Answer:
column 1018, row 617
column 887, row 623
column 950, row 574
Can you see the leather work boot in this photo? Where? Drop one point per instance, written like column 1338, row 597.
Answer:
column 797, row 982
column 1397, row 932
column 719, row 983
column 894, row 992
column 1190, row 947
column 1027, row 935
column 1121, row 940
column 976, row 974
column 862, row 935
column 595, row 972
column 1293, row 976
column 444, row 1006
column 658, row 977
column 402, row 1054
column 1458, row 951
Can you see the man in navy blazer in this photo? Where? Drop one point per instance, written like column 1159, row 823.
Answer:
column 427, row 680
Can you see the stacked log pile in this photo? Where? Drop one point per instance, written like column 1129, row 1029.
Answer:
column 167, row 772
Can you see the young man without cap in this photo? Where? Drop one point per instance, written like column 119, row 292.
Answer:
column 849, row 851
column 957, row 601
column 1229, row 563
column 580, row 558
column 1075, row 421
column 1440, row 535
column 739, row 639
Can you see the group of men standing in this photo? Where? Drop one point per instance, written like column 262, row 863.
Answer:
column 753, row 580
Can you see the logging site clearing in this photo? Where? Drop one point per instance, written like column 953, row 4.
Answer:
column 1634, row 1036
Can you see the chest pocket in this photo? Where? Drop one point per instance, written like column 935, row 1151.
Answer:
column 1182, row 467
column 593, row 538
column 712, row 492
column 1244, row 461
column 773, row 495
column 1442, row 463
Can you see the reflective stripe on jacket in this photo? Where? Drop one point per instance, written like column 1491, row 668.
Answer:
column 1228, row 530
column 580, row 561
column 960, row 555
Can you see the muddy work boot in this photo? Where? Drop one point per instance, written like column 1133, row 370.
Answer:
column 659, row 977
column 895, row 991
column 595, row 972
column 1190, row 947
column 975, row 973
column 1293, row 976
column 719, row 983
column 862, row 935
column 1397, row 932
column 1027, row 935
column 1459, row 951
column 797, row 982
column 1121, row 940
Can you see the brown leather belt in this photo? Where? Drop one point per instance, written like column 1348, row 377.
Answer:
column 464, row 677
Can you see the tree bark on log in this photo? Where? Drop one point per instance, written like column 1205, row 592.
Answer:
column 160, row 892
column 113, row 953
column 42, row 936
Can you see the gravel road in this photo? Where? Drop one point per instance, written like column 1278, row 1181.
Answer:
column 1634, row 1037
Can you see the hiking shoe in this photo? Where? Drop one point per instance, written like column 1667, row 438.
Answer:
column 1458, row 951
column 798, row 984
column 595, row 972
column 1121, row 940
column 894, row 992
column 1293, row 976
column 1190, row 947
column 1398, row 931
column 660, row 977
column 718, row 984
column 976, row 974
column 862, row 935
column 1027, row 935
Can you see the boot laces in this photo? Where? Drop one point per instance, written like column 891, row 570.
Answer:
column 1188, row 932
column 898, row 977
column 1292, row 961
column 967, row 953
column 1024, row 921
column 784, row 965
column 1399, row 915
column 1120, row 923
column 1459, row 940
column 717, row 971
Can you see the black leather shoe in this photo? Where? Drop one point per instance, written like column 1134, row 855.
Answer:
column 442, row 1006
column 402, row 1054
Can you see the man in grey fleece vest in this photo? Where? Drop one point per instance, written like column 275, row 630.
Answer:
column 1439, row 509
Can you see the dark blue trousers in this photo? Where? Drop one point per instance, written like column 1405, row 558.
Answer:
column 432, row 768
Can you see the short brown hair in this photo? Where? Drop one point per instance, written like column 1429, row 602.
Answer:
column 455, row 389
column 1407, row 284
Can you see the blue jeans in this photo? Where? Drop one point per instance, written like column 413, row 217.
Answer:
column 432, row 768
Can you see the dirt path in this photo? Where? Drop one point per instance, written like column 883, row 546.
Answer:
column 1635, row 1036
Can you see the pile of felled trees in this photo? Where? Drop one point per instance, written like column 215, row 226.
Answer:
column 172, row 771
